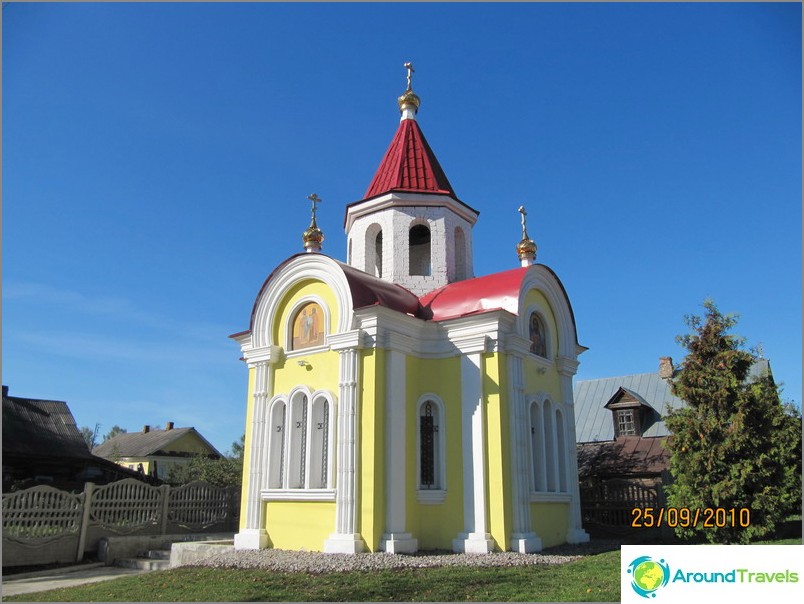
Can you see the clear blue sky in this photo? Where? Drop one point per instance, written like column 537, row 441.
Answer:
column 157, row 159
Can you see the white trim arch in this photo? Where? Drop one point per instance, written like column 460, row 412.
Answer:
column 542, row 279
column 436, row 492
column 291, row 315
column 313, row 267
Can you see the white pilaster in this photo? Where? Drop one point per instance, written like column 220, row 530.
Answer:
column 346, row 539
column 567, row 368
column 475, row 539
column 254, row 535
column 523, row 539
column 395, row 539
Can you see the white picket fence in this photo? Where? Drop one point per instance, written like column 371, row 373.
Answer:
column 43, row 525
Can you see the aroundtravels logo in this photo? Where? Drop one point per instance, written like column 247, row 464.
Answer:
column 648, row 575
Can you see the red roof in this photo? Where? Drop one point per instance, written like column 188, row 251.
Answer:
column 409, row 164
column 482, row 294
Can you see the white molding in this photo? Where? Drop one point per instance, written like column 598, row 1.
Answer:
column 295, row 354
column 567, row 366
column 317, row 267
column 399, row 543
column 339, row 543
column 550, row 497
column 298, row 494
column 264, row 354
column 347, row 339
column 431, row 496
column 405, row 200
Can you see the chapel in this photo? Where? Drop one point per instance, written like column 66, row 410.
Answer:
column 396, row 401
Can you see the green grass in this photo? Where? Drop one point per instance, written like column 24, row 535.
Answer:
column 593, row 578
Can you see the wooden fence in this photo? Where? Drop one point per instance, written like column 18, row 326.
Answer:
column 43, row 525
column 607, row 506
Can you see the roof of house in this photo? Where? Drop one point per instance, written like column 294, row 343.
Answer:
column 409, row 164
column 594, row 422
column 632, row 455
column 143, row 444
column 41, row 428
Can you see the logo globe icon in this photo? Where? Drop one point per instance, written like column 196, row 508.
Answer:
column 648, row 575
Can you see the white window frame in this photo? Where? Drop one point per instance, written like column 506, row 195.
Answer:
column 288, row 449
column 438, row 494
column 547, row 448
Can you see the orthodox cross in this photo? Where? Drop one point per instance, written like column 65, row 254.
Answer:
column 409, row 67
column 315, row 199
column 524, row 222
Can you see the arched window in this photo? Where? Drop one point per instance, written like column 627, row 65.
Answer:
column 372, row 249
column 349, row 253
column 300, row 442
column 297, row 447
column 309, row 328
column 460, row 254
column 537, row 447
column 431, row 469
column 537, row 335
column 419, row 243
column 560, row 451
column 276, row 445
column 378, row 255
column 549, row 446
column 319, row 444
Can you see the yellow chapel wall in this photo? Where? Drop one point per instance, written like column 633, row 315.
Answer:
column 550, row 520
column 435, row 525
column 297, row 524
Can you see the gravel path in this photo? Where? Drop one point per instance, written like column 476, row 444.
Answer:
column 316, row 562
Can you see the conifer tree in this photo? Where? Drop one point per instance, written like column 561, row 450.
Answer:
column 731, row 447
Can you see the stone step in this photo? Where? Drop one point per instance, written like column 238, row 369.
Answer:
column 142, row 563
column 156, row 554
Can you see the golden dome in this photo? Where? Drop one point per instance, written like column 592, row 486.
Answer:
column 526, row 246
column 409, row 98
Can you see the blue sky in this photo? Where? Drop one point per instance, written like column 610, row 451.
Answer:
column 157, row 159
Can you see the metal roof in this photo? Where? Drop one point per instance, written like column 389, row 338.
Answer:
column 41, row 428
column 593, row 422
column 143, row 444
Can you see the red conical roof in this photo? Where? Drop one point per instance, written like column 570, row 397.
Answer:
column 409, row 164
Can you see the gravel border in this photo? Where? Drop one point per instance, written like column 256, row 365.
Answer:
column 317, row 563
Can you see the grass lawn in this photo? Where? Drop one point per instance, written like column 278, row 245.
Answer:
column 594, row 578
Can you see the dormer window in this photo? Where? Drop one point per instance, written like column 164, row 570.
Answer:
column 631, row 414
column 626, row 422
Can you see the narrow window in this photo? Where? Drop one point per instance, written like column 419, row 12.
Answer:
column 319, row 443
column 419, row 243
column 276, row 446
column 378, row 255
column 537, row 447
column 298, row 443
column 562, row 455
column 549, row 446
column 428, row 446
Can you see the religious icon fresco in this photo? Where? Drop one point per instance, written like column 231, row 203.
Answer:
column 308, row 327
column 538, row 344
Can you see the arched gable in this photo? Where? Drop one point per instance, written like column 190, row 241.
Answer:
column 541, row 291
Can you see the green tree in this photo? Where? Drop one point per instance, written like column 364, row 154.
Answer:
column 90, row 435
column 224, row 472
column 114, row 432
column 725, row 447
